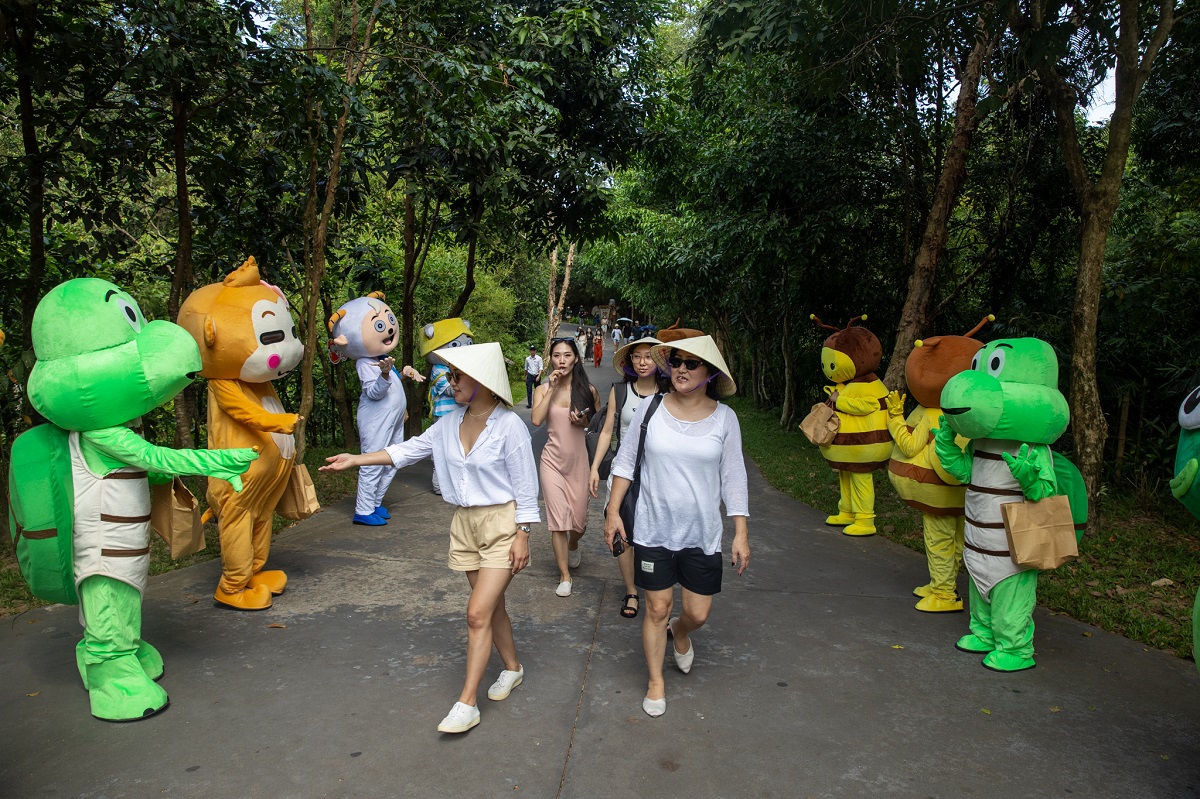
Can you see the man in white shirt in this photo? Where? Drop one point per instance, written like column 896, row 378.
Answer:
column 533, row 374
column 616, row 336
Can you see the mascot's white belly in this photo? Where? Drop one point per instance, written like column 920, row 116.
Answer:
column 992, row 485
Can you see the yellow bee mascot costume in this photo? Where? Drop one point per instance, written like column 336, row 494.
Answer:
column 915, row 470
column 863, row 444
column 246, row 336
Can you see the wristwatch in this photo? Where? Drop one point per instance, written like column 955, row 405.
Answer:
column 524, row 528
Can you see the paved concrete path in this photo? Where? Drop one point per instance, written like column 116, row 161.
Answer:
column 814, row 678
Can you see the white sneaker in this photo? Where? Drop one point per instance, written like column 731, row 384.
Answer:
column 574, row 557
column 564, row 588
column 654, row 707
column 461, row 718
column 505, row 683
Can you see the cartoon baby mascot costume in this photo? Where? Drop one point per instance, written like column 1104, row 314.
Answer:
column 79, row 488
column 1185, row 486
column 917, row 474
column 247, row 339
column 365, row 329
column 445, row 334
column 1009, row 406
column 863, row 444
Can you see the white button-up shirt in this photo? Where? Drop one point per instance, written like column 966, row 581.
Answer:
column 498, row 469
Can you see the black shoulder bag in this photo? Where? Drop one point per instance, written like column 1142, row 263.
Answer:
column 629, row 502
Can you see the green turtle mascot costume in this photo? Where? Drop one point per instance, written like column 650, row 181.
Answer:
column 79, row 490
column 1185, row 486
column 863, row 444
column 1008, row 405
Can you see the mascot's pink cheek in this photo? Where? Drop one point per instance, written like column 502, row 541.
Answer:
column 273, row 362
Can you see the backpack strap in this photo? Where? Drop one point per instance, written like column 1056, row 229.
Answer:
column 620, row 394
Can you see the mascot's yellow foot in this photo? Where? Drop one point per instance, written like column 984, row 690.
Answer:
column 923, row 591
column 250, row 599
column 858, row 528
column 840, row 520
column 935, row 604
column 274, row 580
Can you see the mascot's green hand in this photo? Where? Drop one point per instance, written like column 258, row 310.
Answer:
column 954, row 460
column 895, row 403
column 230, row 464
column 1028, row 467
column 1183, row 482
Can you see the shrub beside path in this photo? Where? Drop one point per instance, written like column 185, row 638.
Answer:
column 814, row 678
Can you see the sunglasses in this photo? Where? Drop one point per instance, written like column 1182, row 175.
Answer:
column 691, row 363
column 455, row 375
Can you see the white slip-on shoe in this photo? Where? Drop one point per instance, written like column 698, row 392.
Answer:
column 461, row 718
column 564, row 588
column 682, row 659
column 505, row 683
column 574, row 557
column 654, row 707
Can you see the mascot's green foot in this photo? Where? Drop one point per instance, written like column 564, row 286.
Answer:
column 1007, row 662
column 974, row 644
column 840, row 520
column 152, row 662
column 121, row 691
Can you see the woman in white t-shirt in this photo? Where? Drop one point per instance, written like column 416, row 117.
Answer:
column 642, row 379
column 692, row 462
column 483, row 452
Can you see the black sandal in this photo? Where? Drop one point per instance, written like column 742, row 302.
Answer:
column 628, row 611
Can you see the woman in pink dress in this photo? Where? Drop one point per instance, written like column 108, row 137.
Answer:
column 565, row 403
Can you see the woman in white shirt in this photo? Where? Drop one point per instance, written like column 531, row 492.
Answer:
column 483, row 454
column 692, row 462
column 641, row 379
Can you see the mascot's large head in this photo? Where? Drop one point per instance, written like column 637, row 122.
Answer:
column 99, row 362
column 1010, row 392
column 935, row 360
column 446, row 333
column 243, row 327
column 365, row 327
column 852, row 353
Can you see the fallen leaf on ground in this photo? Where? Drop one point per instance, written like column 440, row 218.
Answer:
column 277, row 626
column 35, row 693
column 1055, row 709
column 985, row 711
column 897, row 646
column 1162, row 583
column 1087, row 635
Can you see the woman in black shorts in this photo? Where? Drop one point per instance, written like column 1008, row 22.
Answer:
column 692, row 462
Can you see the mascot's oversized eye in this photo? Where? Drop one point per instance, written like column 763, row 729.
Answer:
column 391, row 319
column 1189, row 411
column 995, row 364
column 975, row 363
column 294, row 333
column 455, row 343
column 380, row 325
column 130, row 312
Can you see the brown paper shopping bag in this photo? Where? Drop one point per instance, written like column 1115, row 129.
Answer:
column 299, row 500
column 821, row 425
column 1041, row 535
column 174, row 515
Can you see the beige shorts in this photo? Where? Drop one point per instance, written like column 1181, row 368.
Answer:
column 481, row 537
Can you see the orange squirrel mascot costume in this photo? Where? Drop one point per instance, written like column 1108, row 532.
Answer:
column 247, row 338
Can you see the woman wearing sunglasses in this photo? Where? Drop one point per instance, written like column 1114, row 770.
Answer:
column 483, row 453
column 692, row 462
column 565, row 403
column 641, row 379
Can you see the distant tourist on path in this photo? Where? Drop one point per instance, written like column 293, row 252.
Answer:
column 692, row 462
column 565, row 403
column 598, row 351
column 484, row 454
column 533, row 374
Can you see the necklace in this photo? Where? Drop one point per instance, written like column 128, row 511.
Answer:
column 485, row 413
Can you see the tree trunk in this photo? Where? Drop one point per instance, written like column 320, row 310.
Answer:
column 555, row 297
column 460, row 304
column 336, row 379
column 914, row 318
column 182, row 278
column 35, row 171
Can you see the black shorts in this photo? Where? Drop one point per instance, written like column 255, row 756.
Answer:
column 659, row 568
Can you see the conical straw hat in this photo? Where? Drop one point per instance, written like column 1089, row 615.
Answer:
column 620, row 355
column 704, row 348
column 484, row 363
